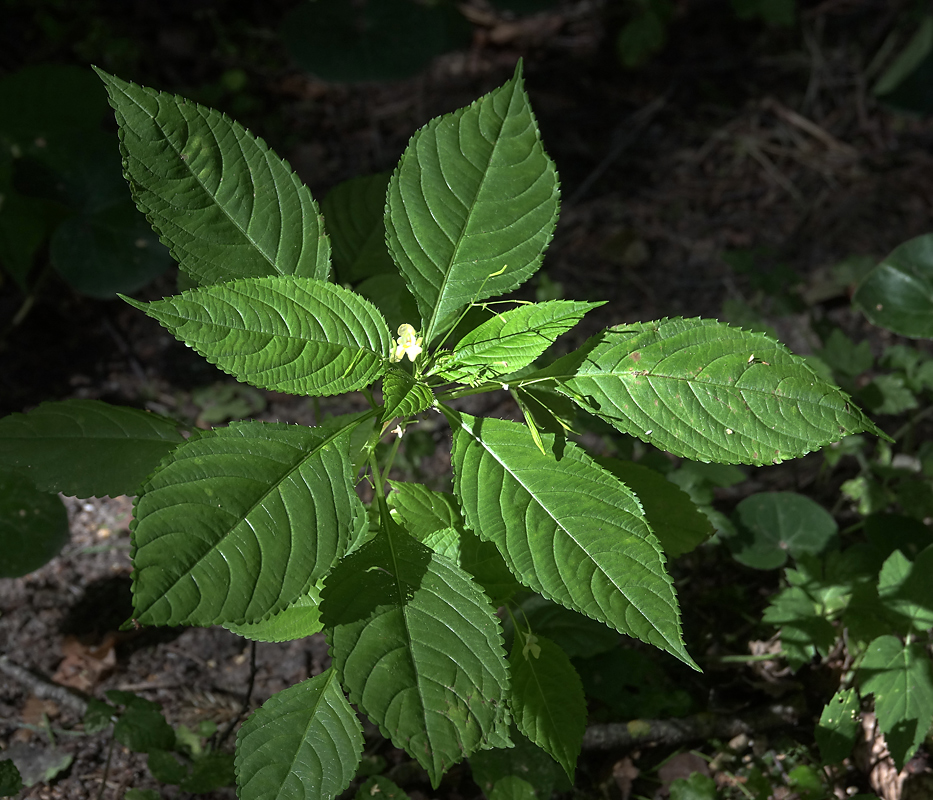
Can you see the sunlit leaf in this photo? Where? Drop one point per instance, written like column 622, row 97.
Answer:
column 240, row 522
column 293, row 335
column 566, row 528
column 418, row 648
column 704, row 390
column 304, row 742
column 472, row 205
column 223, row 202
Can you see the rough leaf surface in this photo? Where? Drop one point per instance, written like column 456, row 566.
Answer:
column 566, row 529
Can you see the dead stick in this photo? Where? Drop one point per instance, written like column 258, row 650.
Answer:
column 43, row 687
column 675, row 732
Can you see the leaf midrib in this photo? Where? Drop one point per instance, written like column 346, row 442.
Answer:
column 446, row 276
column 200, row 183
column 340, row 431
column 574, row 540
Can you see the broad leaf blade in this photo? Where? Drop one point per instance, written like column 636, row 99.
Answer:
column 704, row 390
column 304, row 742
column 898, row 293
column 33, row 526
column 293, row 335
column 547, row 699
column 512, row 340
column 354, row 212
column 223, row 202
column 434, row 519
column 838, row 726
column 906, row 592
column 419, row 649
column 403, row 396
column 901, row 680
column 86, row 448
column 675, row 519
column 300, row 618
column 472, row 205
column 240, row 521
column 567, row 529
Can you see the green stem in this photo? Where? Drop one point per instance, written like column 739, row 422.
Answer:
column 379, row 487
column 456, row 393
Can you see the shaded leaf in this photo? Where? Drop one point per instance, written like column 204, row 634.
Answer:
column 305, row 741
column 240, row 521
column 900, row 678
column 33, row 526
column 704, row 390
column 838, row 726
column 578, row 636
column 567, row 529
column 293, row 335
column 547, row 700
column 906, row 591
column 898, row 293
column 674, row 518
column 772, row 525
column 418, row 648
column 379, row 787
column 472, row 205
column 354, row 213
column 86, row 448
column 523, row 772
column 223, row 202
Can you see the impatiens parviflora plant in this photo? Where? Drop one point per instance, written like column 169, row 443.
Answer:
column 259, row 527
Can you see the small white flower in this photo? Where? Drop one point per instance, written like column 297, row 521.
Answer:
column 407, row 344
column 398, row 431
column 531, row 644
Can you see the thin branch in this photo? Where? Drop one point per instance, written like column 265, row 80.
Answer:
column 676, row 732
column 44, row 688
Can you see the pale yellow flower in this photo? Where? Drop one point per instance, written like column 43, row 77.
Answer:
column 407, row 344
column 531, row 645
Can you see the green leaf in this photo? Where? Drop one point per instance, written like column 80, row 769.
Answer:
column 419, row 649
column 703, row 390
column 33, row 526
column 772, row 525
column 838, row 726
column 11, row 782
column 209, row 772
column 434, row 519
column 901, row 680
column 512, row 340
column 86, row 448
column 223, row 202
column 391, row 296
column 354, row 213
column 472, row 205
column 379, row 787
column 677, row 522
column 907, row 61
column 844, row 356
column 165, row 767
column 547, row 698
column 898, row 293
column 141, row 727
column 293, row 335
column 98, row 715
column 300, row 618
column 142, row 794
column 523, row 772
column 567, row 529
column 697, row 787
column 305, row 741
column 403, row 396
column 906, row 591
column 240, row 521
column 805, row 631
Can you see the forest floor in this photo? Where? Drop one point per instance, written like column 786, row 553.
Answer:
column 738, row 145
